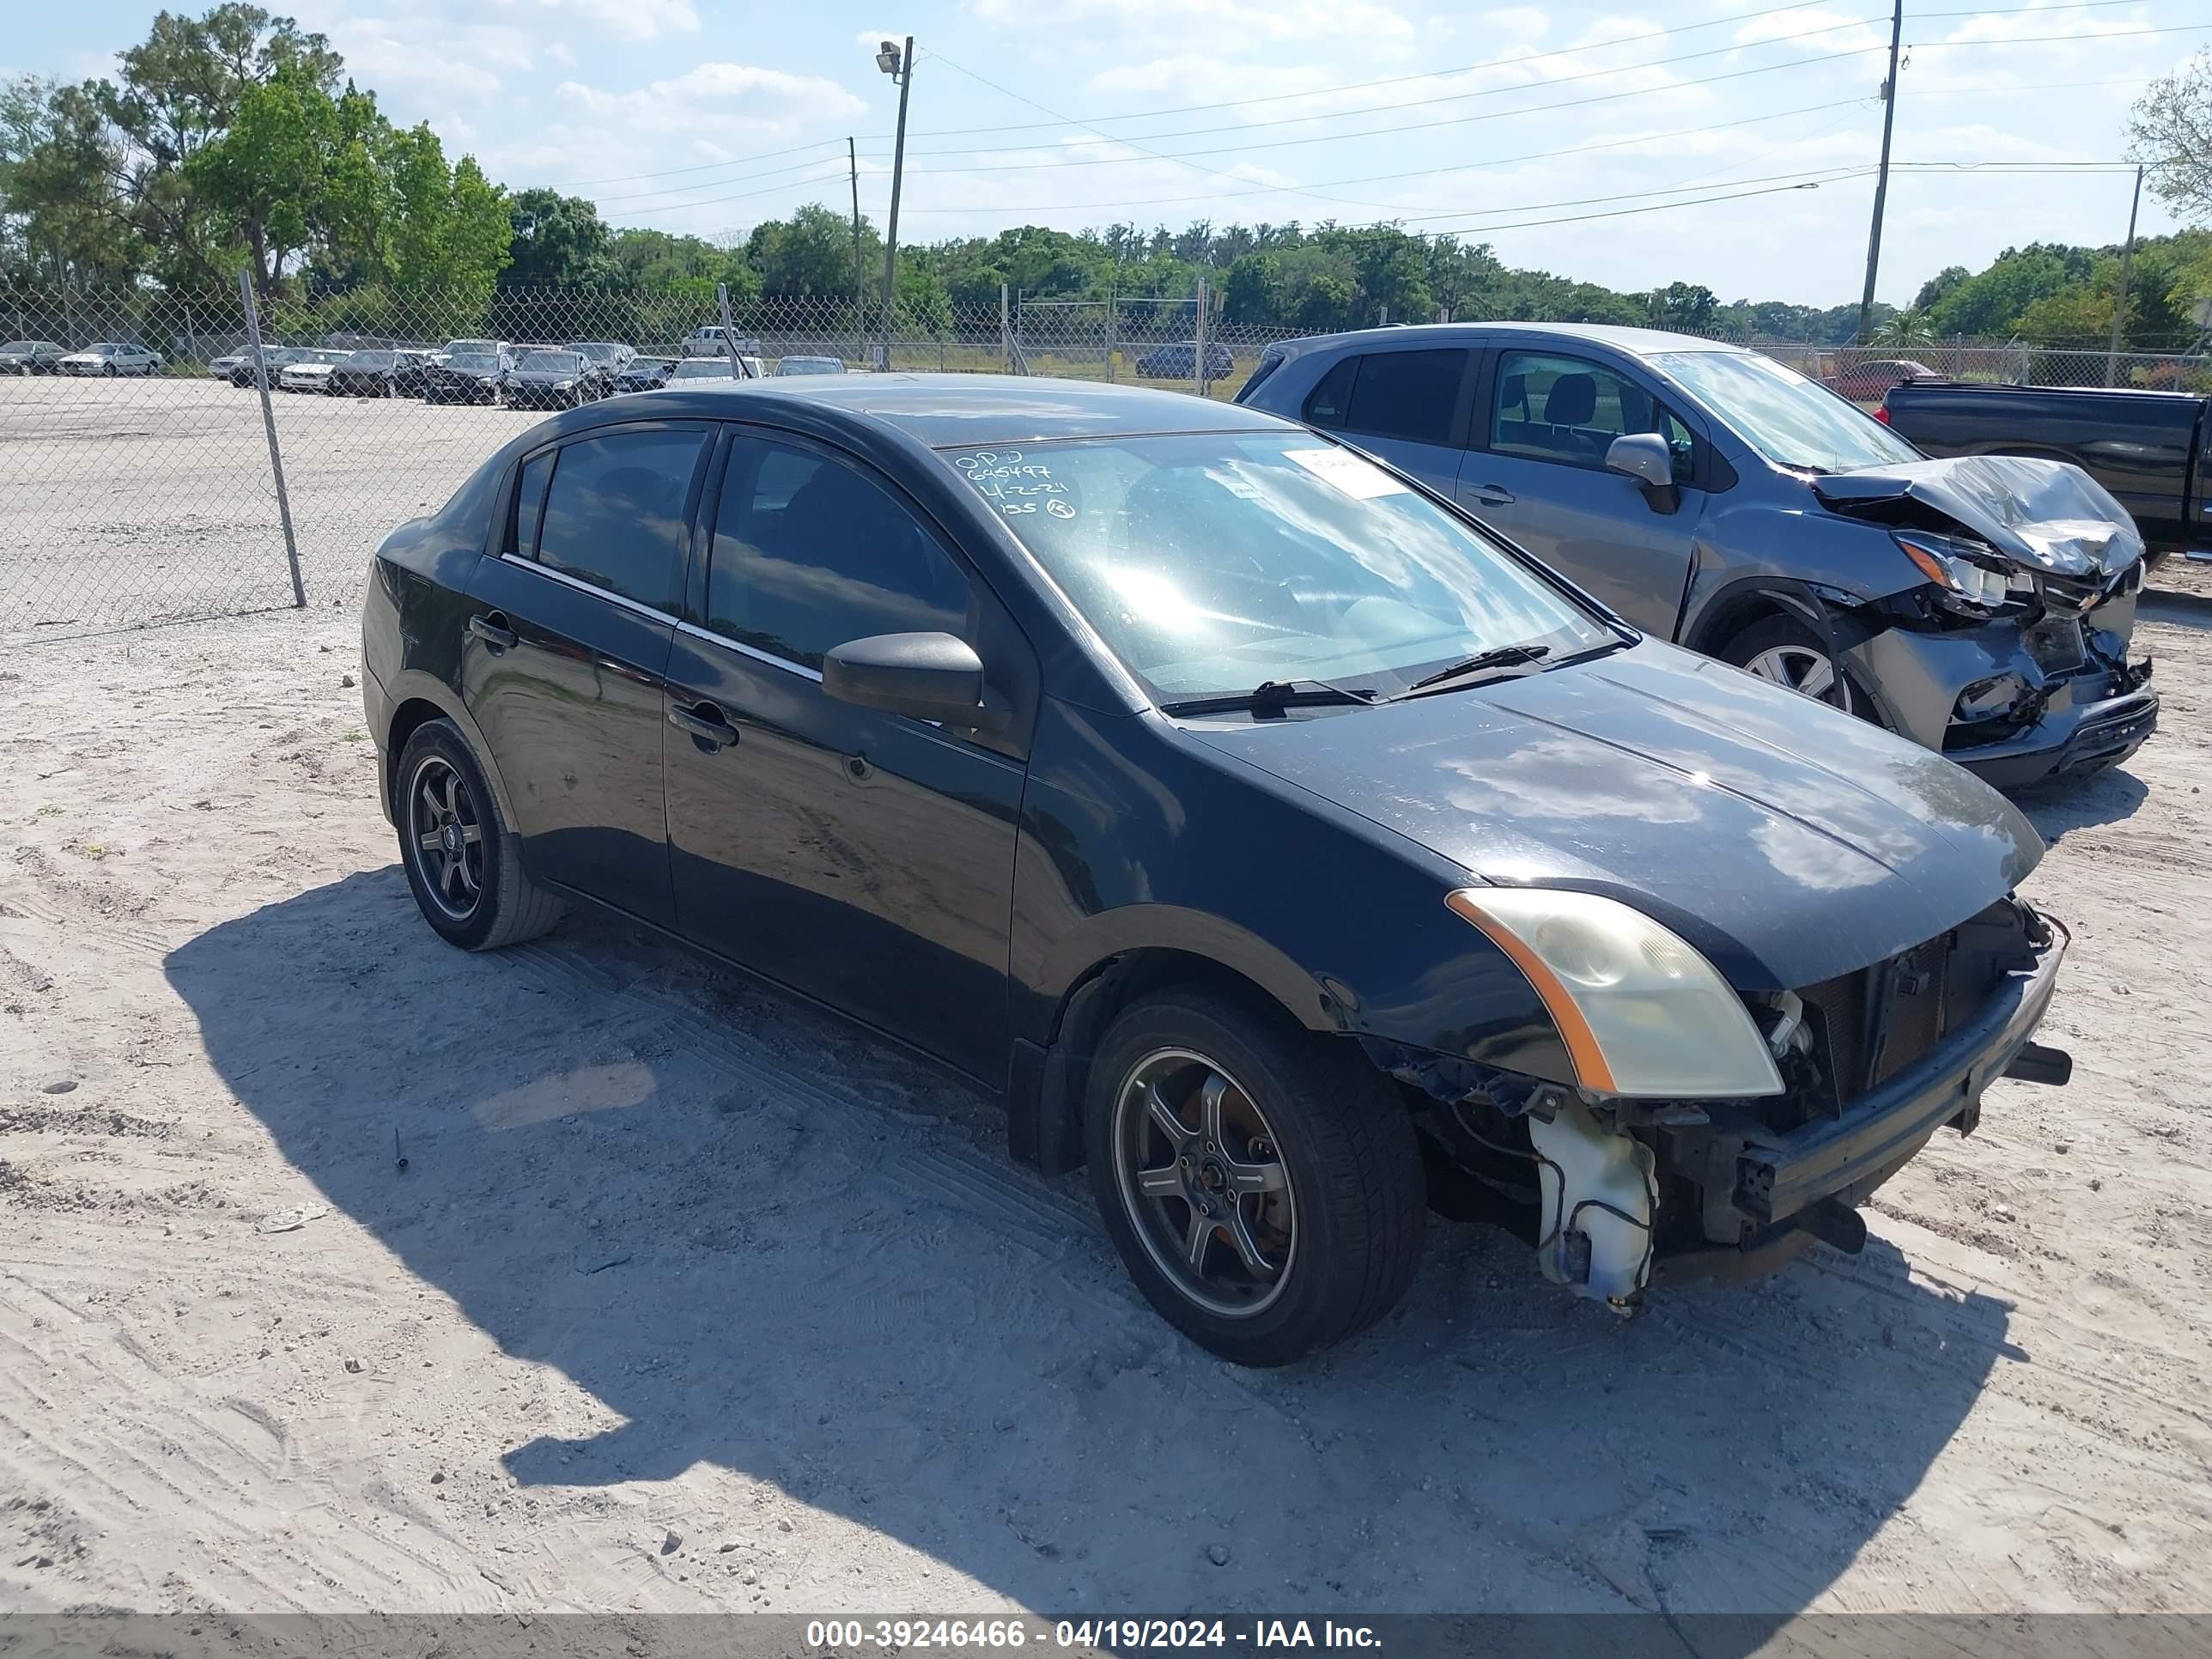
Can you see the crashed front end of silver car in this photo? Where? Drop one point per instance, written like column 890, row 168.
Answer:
column 2012, row 656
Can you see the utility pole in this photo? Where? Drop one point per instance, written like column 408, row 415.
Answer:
column 900, row 67
column 859, row 265
column 1882, row 181
column 2120, row 300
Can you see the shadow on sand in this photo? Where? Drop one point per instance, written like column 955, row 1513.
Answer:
column 764, row 1242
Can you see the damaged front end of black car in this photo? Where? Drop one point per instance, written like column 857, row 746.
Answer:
column 1619, row 1190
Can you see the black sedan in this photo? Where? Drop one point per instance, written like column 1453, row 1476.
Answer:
column 1179, row 361
column 380, row 374
column 465, row 378
column 277, row 358
column 1274, row 839
column 557, row 380
column 644, row 373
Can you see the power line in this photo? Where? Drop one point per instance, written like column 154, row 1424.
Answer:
column 670, row 172
column 1450, row 97
column 1397, row 80
column 1426, row 173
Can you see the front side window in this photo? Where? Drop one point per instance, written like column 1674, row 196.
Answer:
column 1210, row 563
column 1569, row 410
column 614, row 516
column 1782, row 414
column 810, row 553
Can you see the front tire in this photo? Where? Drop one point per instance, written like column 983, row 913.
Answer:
column 463, row 863
column 1785, row 652
column 1262, row 1183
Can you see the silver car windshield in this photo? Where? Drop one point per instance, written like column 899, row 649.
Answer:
column 1781, row 414
column 1210, row 563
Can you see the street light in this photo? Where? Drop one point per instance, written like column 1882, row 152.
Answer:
column 899, row 65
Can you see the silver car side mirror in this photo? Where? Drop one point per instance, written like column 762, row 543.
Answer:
column 1644, row 457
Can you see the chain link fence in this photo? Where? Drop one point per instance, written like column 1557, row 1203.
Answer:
column 139, row 476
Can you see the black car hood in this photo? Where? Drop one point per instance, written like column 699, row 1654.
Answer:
column 1789, row 841
column 2050, row 515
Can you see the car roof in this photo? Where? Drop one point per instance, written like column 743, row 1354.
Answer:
column 1636, row 342
column 946, row 409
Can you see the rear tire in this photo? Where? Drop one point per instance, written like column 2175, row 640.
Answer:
column 463, row 863
column 1283, row 1211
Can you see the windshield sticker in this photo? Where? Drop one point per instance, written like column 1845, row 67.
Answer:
column 1359, row 479
column 1015, row 486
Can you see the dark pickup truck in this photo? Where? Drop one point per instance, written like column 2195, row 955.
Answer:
column 2152, row 450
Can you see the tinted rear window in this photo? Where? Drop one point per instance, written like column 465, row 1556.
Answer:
column 1406, row 394
column 615, row 515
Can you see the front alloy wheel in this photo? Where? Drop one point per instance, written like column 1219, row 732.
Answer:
column 1261, row 1181
column 1805, row 670
column 1202, row 1180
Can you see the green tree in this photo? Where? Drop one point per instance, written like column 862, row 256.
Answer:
column 558, row 241
column 1687, row 306
column 810, row 255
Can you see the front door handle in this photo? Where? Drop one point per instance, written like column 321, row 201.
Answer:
column 494, row 632
column 703, row 721
column 1492, row 494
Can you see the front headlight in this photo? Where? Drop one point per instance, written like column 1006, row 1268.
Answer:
column 1948, row 563
column 564, row 386
column 1641, row 1013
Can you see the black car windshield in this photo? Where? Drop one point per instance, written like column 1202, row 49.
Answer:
column 563, row 363
column 1210, row 563
column 370, row 360
column 597, row 353
column 474, row 365
column 1781, row 414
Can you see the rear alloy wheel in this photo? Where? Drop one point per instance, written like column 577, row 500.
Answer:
column 1262, row 1183
column 462, row 861
column 1787, row 653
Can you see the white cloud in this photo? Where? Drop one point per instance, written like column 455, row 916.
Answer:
column 639, row 19
column 729, row 98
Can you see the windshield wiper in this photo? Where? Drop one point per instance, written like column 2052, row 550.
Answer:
column 1497, row 657
column 1270, row 697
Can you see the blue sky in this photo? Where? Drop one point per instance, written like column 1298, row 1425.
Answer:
column 1627, row 145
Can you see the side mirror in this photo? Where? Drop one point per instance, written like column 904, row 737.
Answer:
column 925, row 677
column 1644, row 457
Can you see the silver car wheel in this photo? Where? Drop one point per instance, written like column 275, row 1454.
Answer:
column 1805, row 670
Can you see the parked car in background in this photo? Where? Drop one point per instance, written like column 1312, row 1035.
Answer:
column 465, row 378
column 277, row 357
column 379, row 373
column 556, row 380
column 644, row 373
column 1708, row 494
column 1864, row 383
column 30, row 357
column 471, row 349
column 711, row 368
column 310, row 371
column 611, row 355
column 1685, row 963
column 1178, row 360
column 713, row 340
column 785, row 366
column 110, row 358
column 2152, row 450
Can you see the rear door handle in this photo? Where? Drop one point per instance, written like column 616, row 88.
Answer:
column 1491, row 495
column 703, row 721
column 494, row 631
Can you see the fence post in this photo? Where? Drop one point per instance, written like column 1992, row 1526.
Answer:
column 1005, row 334
column 269, row 425
column 1112, row 307
column 729, row 334
column 1198, row 350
